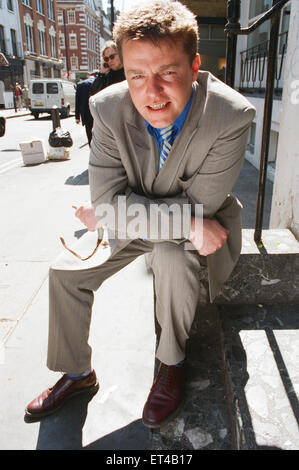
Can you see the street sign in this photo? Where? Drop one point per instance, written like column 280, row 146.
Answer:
column 3, row 60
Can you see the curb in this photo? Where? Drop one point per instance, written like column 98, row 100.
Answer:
column 17, row 115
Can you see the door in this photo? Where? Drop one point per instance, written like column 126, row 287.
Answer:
column 37, row 95
column 53, row 93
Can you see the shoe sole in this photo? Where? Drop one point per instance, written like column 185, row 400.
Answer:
column 165, row 421
column 89, row 390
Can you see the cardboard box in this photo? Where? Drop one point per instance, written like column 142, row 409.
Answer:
column 58, row 153
column 33, row 151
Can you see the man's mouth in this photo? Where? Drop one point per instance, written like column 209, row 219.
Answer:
column 157, row 107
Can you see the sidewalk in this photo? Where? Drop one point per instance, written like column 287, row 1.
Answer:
column 10, row 113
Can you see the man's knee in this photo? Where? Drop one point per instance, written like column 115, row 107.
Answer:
column 171, row 256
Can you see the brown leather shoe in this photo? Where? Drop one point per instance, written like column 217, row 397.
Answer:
column 55, row 397
column 165, row 396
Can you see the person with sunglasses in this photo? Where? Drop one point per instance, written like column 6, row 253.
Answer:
column 116, row 73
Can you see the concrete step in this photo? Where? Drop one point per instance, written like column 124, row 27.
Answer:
column 261, row 352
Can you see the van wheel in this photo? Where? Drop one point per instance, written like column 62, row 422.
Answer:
column 35, row 115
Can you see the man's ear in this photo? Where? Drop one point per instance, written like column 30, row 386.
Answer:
column 195, row 66
column 196, row 63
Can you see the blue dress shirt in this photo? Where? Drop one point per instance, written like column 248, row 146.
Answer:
column 177, row 126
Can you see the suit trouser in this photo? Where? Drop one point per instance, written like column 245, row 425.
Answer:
column 176, row 275
column 88, row 129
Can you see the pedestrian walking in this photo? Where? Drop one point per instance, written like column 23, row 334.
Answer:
column 82, row 112
column 25, row 96
column 18, row 96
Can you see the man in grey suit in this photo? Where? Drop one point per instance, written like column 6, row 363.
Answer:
column 168, row 135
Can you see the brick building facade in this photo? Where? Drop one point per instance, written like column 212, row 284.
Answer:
column 40, row 41
column 79, row 31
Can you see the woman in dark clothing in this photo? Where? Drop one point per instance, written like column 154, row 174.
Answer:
column 116, row 73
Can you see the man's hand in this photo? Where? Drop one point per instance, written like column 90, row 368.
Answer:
column 87, row 217
column 77, row 121
column 210, row 238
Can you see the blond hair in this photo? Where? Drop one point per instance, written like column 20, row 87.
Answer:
column 108, row 44
column 158, row 20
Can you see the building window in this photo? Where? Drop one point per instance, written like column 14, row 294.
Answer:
column 53, row 46
column 39, row 6
column 259, row 6
column 29, row 38
column 71, row 17
column 74, row 63
column 52, row 34
column 73, row 41
column 26, row 2
column 10, row 5
column 42, row 42
column 61, row 41
column 56, row 73
column 13, row 36
column 60, row 18
column 50, row 9
column 2, row 40
column 41, row 37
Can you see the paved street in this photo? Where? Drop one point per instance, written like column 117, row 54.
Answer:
column 36, row 208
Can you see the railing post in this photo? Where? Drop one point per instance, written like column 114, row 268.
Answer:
column 232, row 28
column 272, row 58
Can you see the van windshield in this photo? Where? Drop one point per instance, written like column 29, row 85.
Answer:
column 37, row 88
column 52, row 88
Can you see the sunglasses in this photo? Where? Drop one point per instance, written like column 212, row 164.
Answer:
column 110, row 57
column 104, row 242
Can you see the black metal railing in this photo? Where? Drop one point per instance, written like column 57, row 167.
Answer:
column 254, row 65
column 233, row 29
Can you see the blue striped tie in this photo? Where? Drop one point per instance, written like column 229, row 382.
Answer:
column 166, row 135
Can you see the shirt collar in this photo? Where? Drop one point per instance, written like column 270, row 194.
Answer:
column 178, row 123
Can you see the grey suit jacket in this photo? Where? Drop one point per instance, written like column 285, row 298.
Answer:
column 202, row 165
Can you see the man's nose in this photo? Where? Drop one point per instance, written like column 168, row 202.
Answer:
column 154, row 87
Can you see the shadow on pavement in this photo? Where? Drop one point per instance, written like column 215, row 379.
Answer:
column 64, row 431
column 81, row 179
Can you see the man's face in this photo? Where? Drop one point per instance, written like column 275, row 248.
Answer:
column 115, row 63
column 160, row 79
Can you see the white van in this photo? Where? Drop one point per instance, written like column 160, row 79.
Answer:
column 44, row 93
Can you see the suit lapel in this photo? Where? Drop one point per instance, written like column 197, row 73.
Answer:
column 143, row 150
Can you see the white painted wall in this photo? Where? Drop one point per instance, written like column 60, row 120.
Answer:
column 285, row 202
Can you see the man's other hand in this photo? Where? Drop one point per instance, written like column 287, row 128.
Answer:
column 87, row 217
column 210, row 238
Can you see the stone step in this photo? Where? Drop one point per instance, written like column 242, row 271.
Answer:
column 261, row 352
